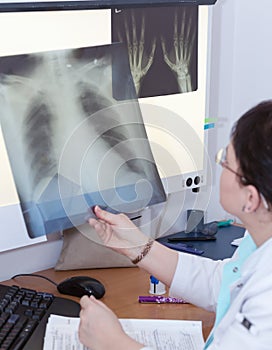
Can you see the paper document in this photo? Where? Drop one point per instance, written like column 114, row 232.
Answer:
column 62, row 333
column 166, row 334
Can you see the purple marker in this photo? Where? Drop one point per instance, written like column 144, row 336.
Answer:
column 158, row 299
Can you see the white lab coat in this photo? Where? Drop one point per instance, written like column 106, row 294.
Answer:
column 198, row 280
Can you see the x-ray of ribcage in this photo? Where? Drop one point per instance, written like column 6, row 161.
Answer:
column 71, row 143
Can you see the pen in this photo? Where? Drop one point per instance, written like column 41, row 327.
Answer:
column 158, row 299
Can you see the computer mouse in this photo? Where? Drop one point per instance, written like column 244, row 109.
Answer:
column 81, row 285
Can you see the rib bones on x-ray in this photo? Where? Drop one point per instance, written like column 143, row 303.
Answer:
column 52, row 100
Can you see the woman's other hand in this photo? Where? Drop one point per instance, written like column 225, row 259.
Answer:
column 100, row 329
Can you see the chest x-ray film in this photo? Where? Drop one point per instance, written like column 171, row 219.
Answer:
column 71, row 143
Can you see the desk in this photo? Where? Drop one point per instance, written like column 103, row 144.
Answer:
column 123, row 286
column 221, row 248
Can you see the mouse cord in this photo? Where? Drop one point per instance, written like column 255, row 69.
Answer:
column 33, row 275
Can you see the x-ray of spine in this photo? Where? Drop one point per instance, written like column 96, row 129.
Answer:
column 64, row 130
column 162, row 47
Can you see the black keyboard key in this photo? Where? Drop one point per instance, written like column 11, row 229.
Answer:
column 11, row 307
column 3, row 304
column 34, row 304
column 45, row 304
column 28, row 291
column 13, row 318
column 25, row 302
column 4, row 316
column 38, row 314
column 18, row 298
column 29, row 313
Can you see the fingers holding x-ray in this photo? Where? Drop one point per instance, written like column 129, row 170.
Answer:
column 178, row 58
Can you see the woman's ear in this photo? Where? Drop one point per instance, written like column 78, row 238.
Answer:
column 252, row 199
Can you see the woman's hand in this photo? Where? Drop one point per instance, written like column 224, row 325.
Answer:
column 118, row 232
column 100, row 329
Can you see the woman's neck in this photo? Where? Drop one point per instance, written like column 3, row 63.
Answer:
column 259, row 227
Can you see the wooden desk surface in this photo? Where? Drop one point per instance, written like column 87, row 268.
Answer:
column 123, row 286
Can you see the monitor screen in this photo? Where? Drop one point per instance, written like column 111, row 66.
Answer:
column 33, row 41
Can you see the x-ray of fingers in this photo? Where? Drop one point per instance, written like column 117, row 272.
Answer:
column 162, row 47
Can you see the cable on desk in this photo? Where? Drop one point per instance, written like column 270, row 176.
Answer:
column 33, row 275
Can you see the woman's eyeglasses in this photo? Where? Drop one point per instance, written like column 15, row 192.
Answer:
column 221, row 159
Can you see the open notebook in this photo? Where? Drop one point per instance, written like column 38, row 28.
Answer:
column 62, row 333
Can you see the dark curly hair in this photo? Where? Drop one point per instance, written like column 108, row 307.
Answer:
column 252, row 142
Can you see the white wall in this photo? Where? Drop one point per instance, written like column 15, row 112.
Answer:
column 32, row 258
column 241, row 70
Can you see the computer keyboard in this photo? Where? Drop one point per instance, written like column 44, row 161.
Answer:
column 24, row 313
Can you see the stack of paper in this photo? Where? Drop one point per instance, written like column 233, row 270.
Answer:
column 62, row 333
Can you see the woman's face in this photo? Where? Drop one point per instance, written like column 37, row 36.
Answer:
column 231, row 197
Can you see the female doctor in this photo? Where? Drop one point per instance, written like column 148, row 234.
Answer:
column 238, row 289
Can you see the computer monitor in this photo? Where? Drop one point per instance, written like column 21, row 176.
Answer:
column 30, row 5
column 62, row 29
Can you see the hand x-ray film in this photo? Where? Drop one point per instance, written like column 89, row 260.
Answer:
column 71, row 143
column 162, row 47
